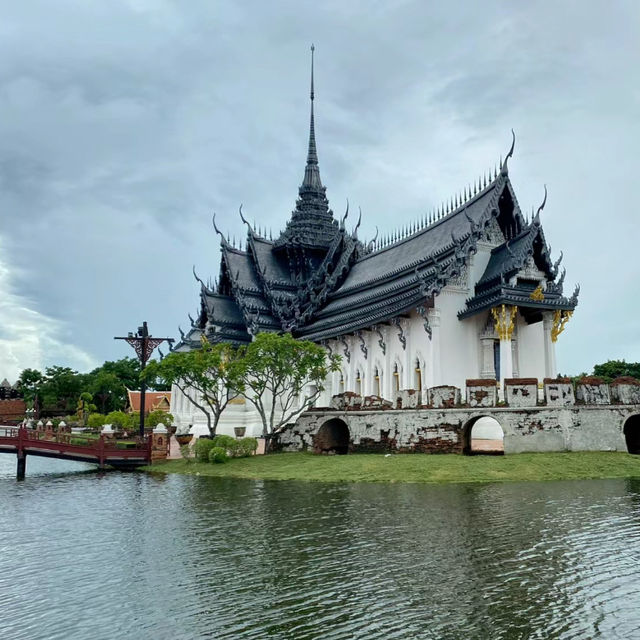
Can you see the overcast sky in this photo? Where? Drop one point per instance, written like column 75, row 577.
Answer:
column 125, row 123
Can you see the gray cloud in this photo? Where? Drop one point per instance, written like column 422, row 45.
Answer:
column 125, row 124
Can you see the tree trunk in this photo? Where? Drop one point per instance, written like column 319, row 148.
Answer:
column 216, row 419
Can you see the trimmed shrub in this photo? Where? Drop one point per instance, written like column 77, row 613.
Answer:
column 186, row 453
column 246, row 447
column 118, row 419
column 155, row 417
column 225, row 442
column 202, row 448
column 95, row 420
column 217, row 454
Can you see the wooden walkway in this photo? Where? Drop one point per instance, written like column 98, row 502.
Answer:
column 22, row 442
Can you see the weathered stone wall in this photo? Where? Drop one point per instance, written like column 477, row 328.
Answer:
column 422, row 430
column 534, row 429
column 521, row 392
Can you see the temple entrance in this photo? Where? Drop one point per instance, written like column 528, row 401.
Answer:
column 332, row 438
column 483, row 436
column 632, row 434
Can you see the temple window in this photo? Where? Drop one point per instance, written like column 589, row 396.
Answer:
column 396, row 377
column 418, row 375
column 358, row 383
column 376, row 379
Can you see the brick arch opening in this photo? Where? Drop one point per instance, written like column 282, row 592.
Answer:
column 332, row 438
column 632, row 434
column 483, row 435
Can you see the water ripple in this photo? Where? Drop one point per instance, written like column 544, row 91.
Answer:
column 84, row 555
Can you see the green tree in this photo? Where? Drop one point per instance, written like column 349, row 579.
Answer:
column 208, row 377
column 617, row 368
column 84, row 407
column 109, row 391
column 274, row 371
column 29, row 384
column 127, row 370
column 61, row 388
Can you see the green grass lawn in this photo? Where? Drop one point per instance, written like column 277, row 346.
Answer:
column 415, row 467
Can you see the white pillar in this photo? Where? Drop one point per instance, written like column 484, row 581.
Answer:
column 504, row 318
column 353, row 385
column 387, row 378
column 434, row 322
column 550, row 370
column 408, row 357
column 506, row 361
column 367, row 383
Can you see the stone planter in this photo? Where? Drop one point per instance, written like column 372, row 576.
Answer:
column 521, row 392
column 593, row 391
column 481, row 393
column 239, row 431
column 558, row 392
column 444, row 397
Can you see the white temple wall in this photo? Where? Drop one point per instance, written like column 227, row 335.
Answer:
column 419, row 351
column 459, row 354
column 530, row 341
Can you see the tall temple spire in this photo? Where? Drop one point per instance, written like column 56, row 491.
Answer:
column 311, row 226
column 312, row 179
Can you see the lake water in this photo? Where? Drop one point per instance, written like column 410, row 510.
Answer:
column 90, row 556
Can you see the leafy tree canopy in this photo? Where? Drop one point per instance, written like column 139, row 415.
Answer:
column 127, row 370
column 56, row 390
column 617, row 368
column 282, row 376
column 207, row 377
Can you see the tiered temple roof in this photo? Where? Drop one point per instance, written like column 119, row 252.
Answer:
column 318, row 280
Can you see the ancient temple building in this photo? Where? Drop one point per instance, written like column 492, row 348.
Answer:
column 469, row 290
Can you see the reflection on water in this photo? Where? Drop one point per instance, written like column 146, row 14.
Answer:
column 99, row 556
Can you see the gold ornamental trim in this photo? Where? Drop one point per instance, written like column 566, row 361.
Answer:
column 537, row 294
column 560, row 319
column 503, row 317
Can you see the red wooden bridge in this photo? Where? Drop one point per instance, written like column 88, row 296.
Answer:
column 101, row 451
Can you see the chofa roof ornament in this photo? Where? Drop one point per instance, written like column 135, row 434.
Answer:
column 224, row 241
column 243, row 218
column 504, row 169
column 536, row 219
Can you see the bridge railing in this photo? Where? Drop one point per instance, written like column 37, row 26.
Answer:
column 68, row 441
